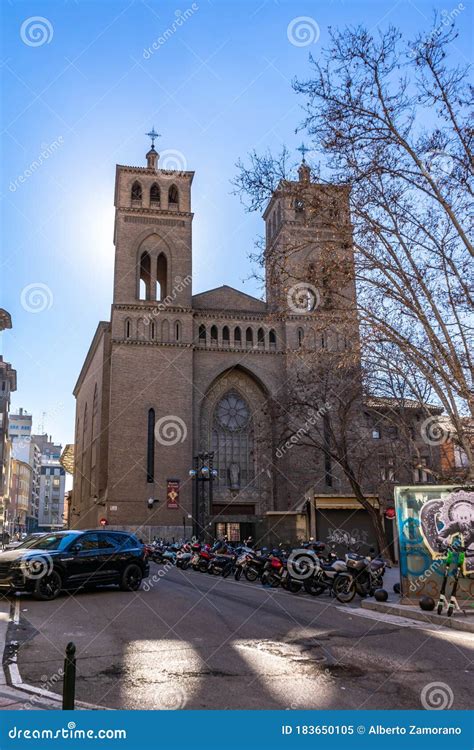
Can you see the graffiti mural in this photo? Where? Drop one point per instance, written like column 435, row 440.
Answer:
column 429, row 519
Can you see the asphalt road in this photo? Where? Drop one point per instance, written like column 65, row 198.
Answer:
column 194, row 641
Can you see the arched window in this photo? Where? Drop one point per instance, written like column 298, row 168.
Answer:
column 249, row 338
column 233, row 442
column 161, row 277
column 84, row 467
column 177, row 331
column 150, row 447
column 300, row 336
column 214, row 335
column 136, row 192
column 127, row 328
column 173, row 197
column 272, row 339
column 94, row 440
column 299, row 205
column 165, row 331
column 155, row 195
column 237, row 337
column 226, row 336
column 145, row 277
column 323, row 341
column 261, row 338
column 202, row 334
column 152, row 330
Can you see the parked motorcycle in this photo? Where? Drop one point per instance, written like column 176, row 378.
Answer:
column 332, row 576
column 368, row 573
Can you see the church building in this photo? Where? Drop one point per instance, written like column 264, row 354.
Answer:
column 175, row 429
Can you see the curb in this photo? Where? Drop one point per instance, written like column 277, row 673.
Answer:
column 40, row 697
column 413, row 613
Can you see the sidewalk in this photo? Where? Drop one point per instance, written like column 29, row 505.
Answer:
column 11, row 698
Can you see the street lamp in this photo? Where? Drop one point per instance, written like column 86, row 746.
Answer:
column 202, row 471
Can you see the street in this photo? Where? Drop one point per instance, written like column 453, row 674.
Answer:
column 189, row 640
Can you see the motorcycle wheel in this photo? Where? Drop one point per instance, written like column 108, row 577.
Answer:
column 238, row 574
column 185, row 565
column 227, row 570
column 293, row 586
column 250, row 574
column 202, row 567
column 344, row 588
column 313, row 587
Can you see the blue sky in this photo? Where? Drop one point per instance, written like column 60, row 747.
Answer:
column 80, row 91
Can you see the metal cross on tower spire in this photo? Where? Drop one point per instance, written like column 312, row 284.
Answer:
column 303, row 150
column 153, row 135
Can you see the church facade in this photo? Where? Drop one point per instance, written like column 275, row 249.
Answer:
column 175, row 404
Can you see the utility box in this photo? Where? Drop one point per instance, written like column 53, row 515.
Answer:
column 428, row 518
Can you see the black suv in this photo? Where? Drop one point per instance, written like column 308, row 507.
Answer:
column 46, row 564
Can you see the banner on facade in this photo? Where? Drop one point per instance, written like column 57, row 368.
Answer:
column 172, row 493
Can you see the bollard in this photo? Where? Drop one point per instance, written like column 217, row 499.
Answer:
column 69, row 679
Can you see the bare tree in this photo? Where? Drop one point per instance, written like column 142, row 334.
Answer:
column 390, row 119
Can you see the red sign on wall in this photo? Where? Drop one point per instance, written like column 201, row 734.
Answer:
column 103, row 522
column 172, row 493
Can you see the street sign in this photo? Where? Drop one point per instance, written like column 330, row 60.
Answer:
column 103, row 522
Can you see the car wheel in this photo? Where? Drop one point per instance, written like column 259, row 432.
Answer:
column 131, row 578
column 48, row 587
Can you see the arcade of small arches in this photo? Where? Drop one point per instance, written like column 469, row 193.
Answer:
column 231, row 337
column 166, row 198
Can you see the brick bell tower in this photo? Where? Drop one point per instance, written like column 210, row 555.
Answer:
column 151, row 368
column 309, row 262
